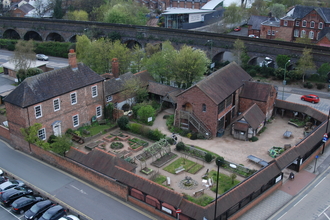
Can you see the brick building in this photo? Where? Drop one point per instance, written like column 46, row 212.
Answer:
column 60, row 99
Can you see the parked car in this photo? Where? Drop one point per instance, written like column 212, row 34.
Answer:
column 10, row 184
column 10, row 195
column 24, row 203
column 3, row 179
column 41, row 57
column 69, row 217
column 237, row 29
column 38, row 209
column 1, row 172
column 53, row 213
column 310, row 98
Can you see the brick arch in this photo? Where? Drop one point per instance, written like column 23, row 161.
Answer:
column 11, row 34
column 72, row 38
column 33, row 34
column 131, row 43
column 55, row 36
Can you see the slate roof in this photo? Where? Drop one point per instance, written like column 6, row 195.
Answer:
column 39, row 88
column 325, row 32
column 255, row 21
column 253, row 116
column 223, row 82
column 26, row 8
column 256, row 91
column 275, row 22
column 160, row 89
column 300, row 12
column 285, row 159
column 115, row 85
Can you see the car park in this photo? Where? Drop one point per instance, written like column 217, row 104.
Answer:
column 69, row 217
column 38, row 209
column 3, row 179
column 310, row 98
column 24, row 203
column 10, row 184
column 42, row 57
column 10, row 195
column 53, row 213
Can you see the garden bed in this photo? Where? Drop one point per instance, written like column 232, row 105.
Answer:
column 164, row 160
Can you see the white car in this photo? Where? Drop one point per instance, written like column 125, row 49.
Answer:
column 69, row 217
column 41, row 57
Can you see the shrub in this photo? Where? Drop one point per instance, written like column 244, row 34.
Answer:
column 180, row 146
column 219, row 161
column 69, row 131
column 320, row 86
column 166, row 116
column 170, row 140
column 51, row 139
column 189, row 135
column 308, row 85
column 135, row 128
column 125, row 107
column 254, row 138
column 116, row 145
column 123, row 122
column 145, row 112
column 200, row 136
column 155, row 135
column 208, row 157
column 193, row 136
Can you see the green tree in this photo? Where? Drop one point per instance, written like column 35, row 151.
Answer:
column 239, row 50
column 219, row 161
column 31, row 133
column 234, row 14
column 137, row 64
column 258, row 7
column 22, row 74
column 152, row 49
column 131, row 88
column 87, row 5
column 58, row 11
column 146, row 112
column 24, row 55
column 278, row 10
column 281, row 60
column 233, row 177
column 306, row 64
column 208, row 157
column 61, row 144
column 122, row 53
column 324, row 69
column 189, row 66
column 77, row 15
column 123, row 122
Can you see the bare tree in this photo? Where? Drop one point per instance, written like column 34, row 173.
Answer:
column 42, row 7
column 24, row 55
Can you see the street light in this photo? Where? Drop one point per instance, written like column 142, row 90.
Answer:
column 284, row 82
column 218, row 162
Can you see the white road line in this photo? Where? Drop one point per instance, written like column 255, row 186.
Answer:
column 326, row 216
column 300, row 200
column 320, row 182
column 323, row 211
column 282, row 216
column 8, row 210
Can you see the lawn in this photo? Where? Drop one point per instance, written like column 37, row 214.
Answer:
column 190, row 166
column 225, row 182
column 203, row 200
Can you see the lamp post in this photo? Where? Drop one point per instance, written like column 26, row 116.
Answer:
column 216, row 190
column 284, row 82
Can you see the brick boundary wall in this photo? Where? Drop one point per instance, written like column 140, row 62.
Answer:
column 4, row 132
column 310, row 159
column 97, row 179
column 256, row 201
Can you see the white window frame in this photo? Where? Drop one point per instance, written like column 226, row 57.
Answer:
column 312, row 24
column 304, row 23
column 303, row 33
column 268, row 32
column 38, row 111
column 203, row 107
column 57, row 106
column 94, row 91
column 321, row 25
column 297, row 23
column 75, row 120
column 98, row 111
column 285, row 23
column 42, row 134
column 296, row 33
column 109, row 98
column 73, row 97
column 311, row 35
column 273, row 33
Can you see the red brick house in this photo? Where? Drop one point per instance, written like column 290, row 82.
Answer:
column 60, row 99
column 254, row 24
column 324, row 37
column 210, row 105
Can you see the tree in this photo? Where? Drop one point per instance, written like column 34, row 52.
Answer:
column 123, row 122
column 306, row 64
column 234, row 14
column 87, row 5
column 281, row 60
column 42, row 7
column 259, row 7
column 278, row 10
column 31, row 133
column 239, row 50
column 24, row 55
column 22, row 74
column 122, row 53
column 61, row 144
column 58, row 11
column 219, row 161
column 233, row 177
column 138, row 56
column 208, row 157
column 324, row 69
column 131, row 88
column 77, row 15
column 152, row 49
column 145, row 112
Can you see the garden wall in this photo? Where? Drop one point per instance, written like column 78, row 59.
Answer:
column 105, row 183
column 4, row 132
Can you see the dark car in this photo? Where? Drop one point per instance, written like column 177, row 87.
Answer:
column 310, row 98
column 38, row 209
column 10, row 195
column 10, row 184
column 24, row 203
column 53, row 213
column 3, row 179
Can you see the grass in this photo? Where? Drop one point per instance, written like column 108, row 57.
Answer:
column 297, row 121
column 203, row 200
column 98, row 129
column 225, row 182
column 213, row 154
column 160, row 179
column 187, row 164
column 197, row 167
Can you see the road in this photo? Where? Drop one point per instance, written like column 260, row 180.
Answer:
column 80, row 196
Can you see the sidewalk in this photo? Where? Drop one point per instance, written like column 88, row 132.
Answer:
column 290, row 188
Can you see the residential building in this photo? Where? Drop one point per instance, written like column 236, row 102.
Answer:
column 254, row 24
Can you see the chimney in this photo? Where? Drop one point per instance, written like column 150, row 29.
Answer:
column 115, row 67
column 72, row 59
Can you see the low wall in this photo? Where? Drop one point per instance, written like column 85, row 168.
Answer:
column 4, row 132
column 101, row 181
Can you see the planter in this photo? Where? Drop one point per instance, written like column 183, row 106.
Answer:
column 136, row 149
column 109, row 139
column 294, row 124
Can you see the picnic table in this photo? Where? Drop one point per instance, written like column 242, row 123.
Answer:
column 257, row 160
column 287, row 134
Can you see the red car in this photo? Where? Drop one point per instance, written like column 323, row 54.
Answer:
column 237, row 28
column 310, row 98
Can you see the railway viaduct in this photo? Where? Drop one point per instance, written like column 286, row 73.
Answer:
column 214, row 44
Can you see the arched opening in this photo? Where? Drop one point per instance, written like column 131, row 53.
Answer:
column 73, row 39
column 11, row 34
column 132, row 43
column 55, row 37
column 32, row 35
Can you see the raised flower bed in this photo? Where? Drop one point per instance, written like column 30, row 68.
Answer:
column 109, row 138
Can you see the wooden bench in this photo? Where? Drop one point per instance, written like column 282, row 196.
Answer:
column 198, row 193
column 179, row 169
column 168, row 181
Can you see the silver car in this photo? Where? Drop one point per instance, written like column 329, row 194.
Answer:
column 41, row 57
column 10, row 184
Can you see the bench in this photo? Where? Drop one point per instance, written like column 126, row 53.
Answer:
column 257, row 160
column 179, row 169
column 168, row 181
column 198, row 193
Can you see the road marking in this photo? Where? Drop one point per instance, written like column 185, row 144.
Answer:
column 323, row 211
column 282, row 215
column 300, row 200
column 8, row 210
column 326, row 215
column 82, row 191
column 320, row 182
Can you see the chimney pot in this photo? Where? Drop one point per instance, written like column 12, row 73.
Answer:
column 115, row 67
column 72, row 59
